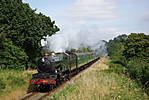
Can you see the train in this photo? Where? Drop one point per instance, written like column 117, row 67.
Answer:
column 55, row 68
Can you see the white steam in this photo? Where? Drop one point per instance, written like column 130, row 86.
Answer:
column 61, row 42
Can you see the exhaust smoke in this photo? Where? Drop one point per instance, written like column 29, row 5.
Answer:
column 61, row 42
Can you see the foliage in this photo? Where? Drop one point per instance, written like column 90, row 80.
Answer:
column 17, row 82
column 2, row 85
column 12, row 57
column 115, row 49
column 137, row 55
column 98, row 84
column 116, row 68
column 14, row 83
column 137, row 70
column 116, row 45
column 137, row 45
column 22, row 28
column 133, row 53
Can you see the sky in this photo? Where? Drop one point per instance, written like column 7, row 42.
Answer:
column 106, row 18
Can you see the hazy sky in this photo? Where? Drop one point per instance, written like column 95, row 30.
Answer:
column 107, row 18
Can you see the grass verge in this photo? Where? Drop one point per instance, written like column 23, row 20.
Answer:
column 13, row 84
column 101, row 83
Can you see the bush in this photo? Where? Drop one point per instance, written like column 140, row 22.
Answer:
column 136, row 67
column 132, row 52
column 12, row 57
column 139, row 69
column 116, row 67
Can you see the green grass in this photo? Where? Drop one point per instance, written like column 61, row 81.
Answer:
column 100, row 83
column 12, row 81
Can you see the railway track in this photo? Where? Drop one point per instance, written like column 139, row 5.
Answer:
column 41, row 96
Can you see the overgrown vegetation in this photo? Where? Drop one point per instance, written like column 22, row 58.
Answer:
column 130, row 54
column 13, row 83
column 99, row 83
column 21, row 30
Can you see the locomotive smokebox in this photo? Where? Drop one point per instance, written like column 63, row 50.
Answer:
column 45, row 66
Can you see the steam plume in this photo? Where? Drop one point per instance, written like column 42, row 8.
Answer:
column 61, row 42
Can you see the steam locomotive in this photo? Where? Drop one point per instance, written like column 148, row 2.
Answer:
column 55, row 68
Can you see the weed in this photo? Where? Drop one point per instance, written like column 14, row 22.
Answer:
column 13, row 83
column 17, row 82
column 2, row 84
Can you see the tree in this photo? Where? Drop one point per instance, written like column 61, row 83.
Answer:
column 12, row 57
column 137, row 45
column 23, row 28
column 115, row 47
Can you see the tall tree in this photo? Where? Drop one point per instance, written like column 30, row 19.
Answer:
column 22, row 27
column 137, row 45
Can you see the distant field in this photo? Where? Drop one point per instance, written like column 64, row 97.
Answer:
column 13, row 83
column 100, row 84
